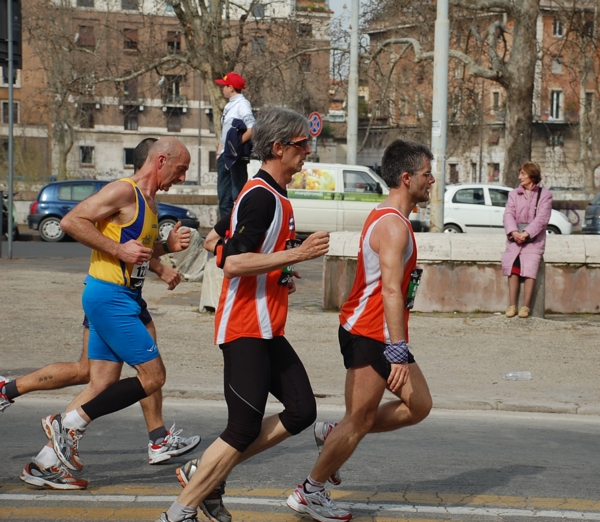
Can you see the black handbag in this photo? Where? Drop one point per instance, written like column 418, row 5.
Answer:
column 521, row 226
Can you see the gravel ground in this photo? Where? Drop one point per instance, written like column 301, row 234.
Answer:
column 464, row 357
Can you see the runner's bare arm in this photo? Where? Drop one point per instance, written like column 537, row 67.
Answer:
column 250, row 263
column 390, row 239
column 114, row 199
column 168, row 274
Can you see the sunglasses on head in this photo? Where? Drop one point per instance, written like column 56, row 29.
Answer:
column 301, row 144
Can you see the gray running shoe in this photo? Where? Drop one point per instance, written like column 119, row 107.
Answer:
column 212, row 506
column 64, row 440
column 318, row 505
column 322, row 431
column 54, row 477
column 5, row 402
column 172, row 446
column 163, row 518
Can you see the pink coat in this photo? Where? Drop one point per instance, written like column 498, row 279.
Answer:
column 521, row 209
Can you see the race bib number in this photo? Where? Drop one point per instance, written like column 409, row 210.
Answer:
column 138, row 275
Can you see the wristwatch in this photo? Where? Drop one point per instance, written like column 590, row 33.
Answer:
column 165, row 247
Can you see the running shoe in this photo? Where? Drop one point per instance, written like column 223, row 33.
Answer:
column 54, row 477
column 318, row 505
column 5, row 402
column 171, row 446
column 322, row 431
column 64, row 440
column 212, row 506
column 163, row 518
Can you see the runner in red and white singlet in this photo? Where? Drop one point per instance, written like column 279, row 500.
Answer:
column 363, row 313
column 373, row 332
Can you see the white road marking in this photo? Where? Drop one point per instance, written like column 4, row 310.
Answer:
column 380, row 509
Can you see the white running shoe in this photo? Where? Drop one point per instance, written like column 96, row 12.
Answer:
column 5, row 402
column 64, row 440
column 171, row 446
column 164, row 518
column 318, row 505
column 322, row 431
column 54, row 477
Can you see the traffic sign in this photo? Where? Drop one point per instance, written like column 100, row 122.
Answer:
column 315, row 124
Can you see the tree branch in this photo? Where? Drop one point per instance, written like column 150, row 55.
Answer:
column 179, row 59
column 480, row 5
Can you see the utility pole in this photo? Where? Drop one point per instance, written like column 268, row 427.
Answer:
column 11, row 119
column 352, row 128
column 439, row 124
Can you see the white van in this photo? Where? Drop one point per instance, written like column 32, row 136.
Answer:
column 334, row 196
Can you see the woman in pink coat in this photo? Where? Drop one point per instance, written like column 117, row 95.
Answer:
column 530, row 205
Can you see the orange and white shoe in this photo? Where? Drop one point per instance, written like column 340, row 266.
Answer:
column 54, row 477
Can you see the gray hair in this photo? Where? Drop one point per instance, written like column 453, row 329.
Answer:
column 402, row 156
column 273, row 125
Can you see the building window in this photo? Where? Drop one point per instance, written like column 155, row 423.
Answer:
column 556, row 112
column 87, row 116
column 130, row 89
column 129, row 4
column 258, row 45
column 555, row 139
column 474, row 172
column 128, row 158
column 589, row 101
column 588, row 29
column 212, row 161
column 173, row 41
column 305, row 30
column 16, row 77
column 258, row 10
column 493, row 172
column 558, row 28
column 171, row 88
column 85, row 36
column 495, row 101
column 86, row 155
column 5, row 107
column 453, row 172
column 557, row 63
column 130, row 39
column 305, row 63
column 130, row 118
column 85, row 3
column 459, row 70
column 174, row 120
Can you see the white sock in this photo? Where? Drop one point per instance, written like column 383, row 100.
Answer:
column 73, row 420
column 46, row 458
column 312, row 486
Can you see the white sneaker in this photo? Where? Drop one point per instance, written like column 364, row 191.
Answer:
column 318, row 505
column 322, row 431
column 5, row 402
column 171, row 446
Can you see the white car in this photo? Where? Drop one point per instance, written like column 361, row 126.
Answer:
column 479, row 208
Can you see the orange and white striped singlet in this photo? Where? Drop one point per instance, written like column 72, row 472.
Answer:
column 362, row 314
column 257, row 306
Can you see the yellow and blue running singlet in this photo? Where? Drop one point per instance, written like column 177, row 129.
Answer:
column 143, row 227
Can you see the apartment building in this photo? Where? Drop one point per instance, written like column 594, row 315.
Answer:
column 80, row 101
column 565, row 128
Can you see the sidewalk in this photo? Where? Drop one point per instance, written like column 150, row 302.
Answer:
column 463, row 357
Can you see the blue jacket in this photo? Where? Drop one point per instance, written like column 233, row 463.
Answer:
column 235, row 150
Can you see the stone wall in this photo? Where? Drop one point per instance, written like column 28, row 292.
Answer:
column 462, row 272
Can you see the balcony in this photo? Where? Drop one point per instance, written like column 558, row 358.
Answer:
column 175, row 101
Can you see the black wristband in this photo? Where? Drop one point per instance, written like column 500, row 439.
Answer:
column 166, row 247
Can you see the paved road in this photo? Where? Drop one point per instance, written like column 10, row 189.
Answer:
column 467, row 466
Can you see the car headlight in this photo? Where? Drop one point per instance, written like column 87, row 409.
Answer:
column 190, row 214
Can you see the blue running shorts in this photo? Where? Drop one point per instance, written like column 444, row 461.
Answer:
column 117, row 332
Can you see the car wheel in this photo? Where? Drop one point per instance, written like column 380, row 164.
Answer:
column 50, row 230
column 452, row 229
column 165, row 227
column 552, row 230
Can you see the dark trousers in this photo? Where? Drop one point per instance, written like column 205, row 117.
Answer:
column 230, row 183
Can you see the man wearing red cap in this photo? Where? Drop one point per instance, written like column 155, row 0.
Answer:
column 236, row 123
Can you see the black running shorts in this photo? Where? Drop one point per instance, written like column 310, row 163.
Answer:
column 363, row 351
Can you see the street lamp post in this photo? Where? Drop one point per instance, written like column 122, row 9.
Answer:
column 439, row 123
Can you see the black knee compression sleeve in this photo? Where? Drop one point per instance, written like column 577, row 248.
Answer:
column 117, row 396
